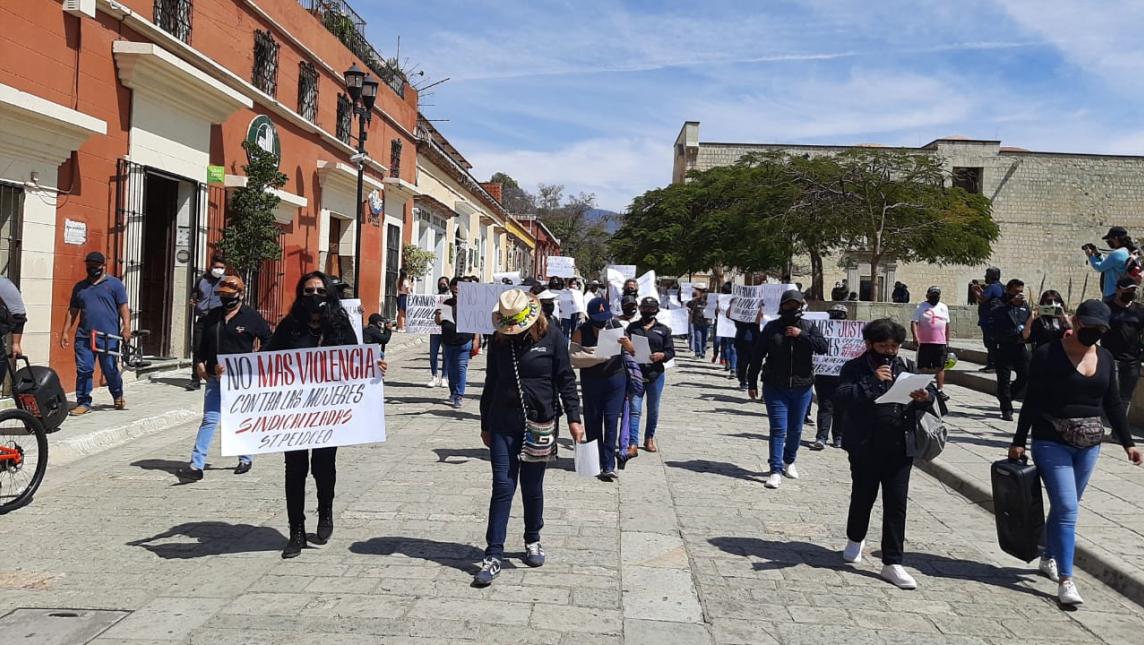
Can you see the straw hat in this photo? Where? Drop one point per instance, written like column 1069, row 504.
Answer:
column 516, row 311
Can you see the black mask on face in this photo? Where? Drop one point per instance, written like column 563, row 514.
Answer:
column 790, row 315
column 314, row 303
column 599, row 324
column 647, row 316
column 880, row 358
column 548, row 307
column 629, row 311
column 1088, row 336
column 1128, row 296
column 229, row 302
column 631, row 291
column 933, row 300
column 94, row 272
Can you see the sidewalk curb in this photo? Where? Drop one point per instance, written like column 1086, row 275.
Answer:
column 1100, row 565
column 66, row 450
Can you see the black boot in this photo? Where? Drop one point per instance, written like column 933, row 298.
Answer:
column 297, row 542
column 325, row 525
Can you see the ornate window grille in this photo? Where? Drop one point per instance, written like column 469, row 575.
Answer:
column 265, row 75
column 308, row 91
column 345, row 117
column 395, row 158
column 174, row 17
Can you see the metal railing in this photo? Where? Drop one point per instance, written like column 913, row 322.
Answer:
column 174, row 17
column 339, row 18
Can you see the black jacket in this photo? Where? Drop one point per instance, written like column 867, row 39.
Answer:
column 1126, row 332
column 789, row 361
column 546, row 376
column 659, row 339
column 868, row 423
column 235, row 336
column 372, row 334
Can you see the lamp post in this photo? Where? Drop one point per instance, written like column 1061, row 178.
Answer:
column 363, row 92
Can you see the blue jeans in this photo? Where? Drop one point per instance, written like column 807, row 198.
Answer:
column 457, row 367
column 727, row 348
column 699, row 339
column 434, row 349
column 570, row 325
column 212, row 404
column 85, row 370
column 504, row 454
column 603, row 400
column 1065, row 471
column 653, row 391
column 786, row 409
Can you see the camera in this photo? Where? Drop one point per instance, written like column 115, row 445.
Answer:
column 1089, row 248
column 1052, row 310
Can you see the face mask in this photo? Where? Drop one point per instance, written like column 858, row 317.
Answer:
column 880, row 358
column 647, row 316
column 230, row 302
column 94, row 273
column 314, row 303
column 933, row 300
column 548, row 308
column 1128, row 296
column 1088, row 336
column 790, row 314
column 599, row 324
column 629, row 291
column 218, row 273
column 629, row 312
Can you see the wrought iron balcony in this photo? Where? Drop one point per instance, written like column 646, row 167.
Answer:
column 339, row 18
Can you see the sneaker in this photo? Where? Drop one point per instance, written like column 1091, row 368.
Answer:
column 818, row 445
column 838, row 443
column 243, row 467
column 433, row 382
column 896, row 574
column 296, row 544
column 774, row 481
column 1048, row 567
column 1006, row 416
column 189, row 474
column 1067, row 593
column 121, row 403
column 79, row 410
column 534, row 554
column 942, row 396
column 608, row 476
column 194, row 385
column 791, row 471
column 490, row 569
column 853, row 551
column 457, row 402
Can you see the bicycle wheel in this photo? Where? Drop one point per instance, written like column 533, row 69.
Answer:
column 23, row 458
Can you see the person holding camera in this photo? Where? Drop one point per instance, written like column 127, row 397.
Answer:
column 378, row 331
column 1113, row 266
column 1011, row 324
column 1124, row 337
column 988, row 297
column 1049, row 320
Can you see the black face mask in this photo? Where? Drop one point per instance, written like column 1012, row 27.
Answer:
column 94, row 273
column 628, row 291
column 882, row 359
column 629, row 312
column 548, row 308
column 313, row 303
column 933, row 300
column 230, row 302
column 1089, row 336
column 1127, row 296
column 599, row 324
column 790, row 315
column 441, row 289
column 647, row 316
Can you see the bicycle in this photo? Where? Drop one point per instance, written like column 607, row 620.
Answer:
column 23, row 452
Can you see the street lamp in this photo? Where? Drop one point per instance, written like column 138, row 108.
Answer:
column 363, row 92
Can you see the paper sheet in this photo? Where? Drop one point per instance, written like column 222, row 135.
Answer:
column 643, row 349
column 608, row 344
column 587, row 457
column 906, row 383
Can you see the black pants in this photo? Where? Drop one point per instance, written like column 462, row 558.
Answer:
column 1128, row 374
column 196, row 338
column 871, row 468
column 743, row 360
column 322, row 463
column 824, row 387
column 1011, row 357
column 989, row 339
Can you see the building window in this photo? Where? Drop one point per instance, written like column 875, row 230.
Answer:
column 265, row 62
column 308, row 91
column 174, row 17
column 395, row 158
column 11, row 216
column 969, row 179
column 345, row 117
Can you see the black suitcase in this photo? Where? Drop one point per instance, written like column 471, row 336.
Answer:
column 37, row 391
column 1018, row 507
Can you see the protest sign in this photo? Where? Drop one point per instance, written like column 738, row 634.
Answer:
column 686, row 290
column 298, row 399
column 771, row 295
column 608, row 342
column 572, row 302
column 419, row 314
column 746, row 303
column 712, row 305
column 643, row 349
column 354, row 311
column 561, row 266
column 672, row 301
column 675, row 319
column 512, row 276
column 647, row 286
column 724, row 326
column 625, row 271
column 844, row 338
column 475, row 305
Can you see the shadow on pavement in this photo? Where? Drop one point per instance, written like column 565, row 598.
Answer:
column 749, row 435
column 211, row 538
column 417, row 399
column 463, row 557
column 467, row 454
column 758, row 412
column 723, row 398
column 165, row 465
column 718, row 468
column 452, row 414
column 173, row 382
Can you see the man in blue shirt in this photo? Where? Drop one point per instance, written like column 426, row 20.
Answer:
column 988, row 297
column 1113, row 265
column 100, row 305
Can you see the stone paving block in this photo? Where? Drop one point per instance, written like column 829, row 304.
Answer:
column 577, row 619
column 892, row 621
column 341, row 584
column 486, row 611
column 660, row 595
column 170, row 619
column 650, row 632
column 653, row 550
column 799, row 634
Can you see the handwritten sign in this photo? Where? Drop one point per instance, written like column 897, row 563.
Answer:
column 475, row 305
column 845, row 340
column 299, row 399
column 625, row 271
column 561, row 266
column 355, row 312
column 419, row 314
column 746, row 303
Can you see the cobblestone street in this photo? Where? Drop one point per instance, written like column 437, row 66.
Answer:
column 688, row 546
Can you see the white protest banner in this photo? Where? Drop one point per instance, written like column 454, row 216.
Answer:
column 724, row 326
column 625, row 271
column 686, row 291
column 475, row 304
column 354, row 311
column 561, row 266
column 419, row 314
column 845, row 340
column 745, row 303
column 512, row 276
column 298, row 399
column 647, row 285
column 571, row 301
column 673, row 299
column 771, row 294
column 676, row 320
column 712, row 305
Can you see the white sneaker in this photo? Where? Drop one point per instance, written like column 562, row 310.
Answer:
column 896, row 574
column 433, row 382
column 791, row 471
column 441, row 382
column 774, row 481
column 1048, row 567
column 1067, row 593
column 853, row 551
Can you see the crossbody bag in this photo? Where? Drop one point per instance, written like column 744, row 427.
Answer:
column 539, row 443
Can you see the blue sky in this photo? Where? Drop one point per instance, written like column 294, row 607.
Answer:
column 592, row 94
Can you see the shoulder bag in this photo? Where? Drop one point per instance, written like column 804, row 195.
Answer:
column 1082, row 432
column 539, row 443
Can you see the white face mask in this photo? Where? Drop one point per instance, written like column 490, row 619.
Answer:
column 218, row 273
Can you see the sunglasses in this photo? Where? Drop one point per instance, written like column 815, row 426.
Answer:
column 309, row 291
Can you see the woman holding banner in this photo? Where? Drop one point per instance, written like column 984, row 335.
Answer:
column 604, row 385
column 458, row 348
column 316, row 319
column 529, row 378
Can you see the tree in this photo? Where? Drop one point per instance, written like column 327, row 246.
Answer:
column 251, row 233
column 515, row 199
column 568, row 218
column 416, row 262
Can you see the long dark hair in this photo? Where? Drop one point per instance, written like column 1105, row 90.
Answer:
column 334, row 320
